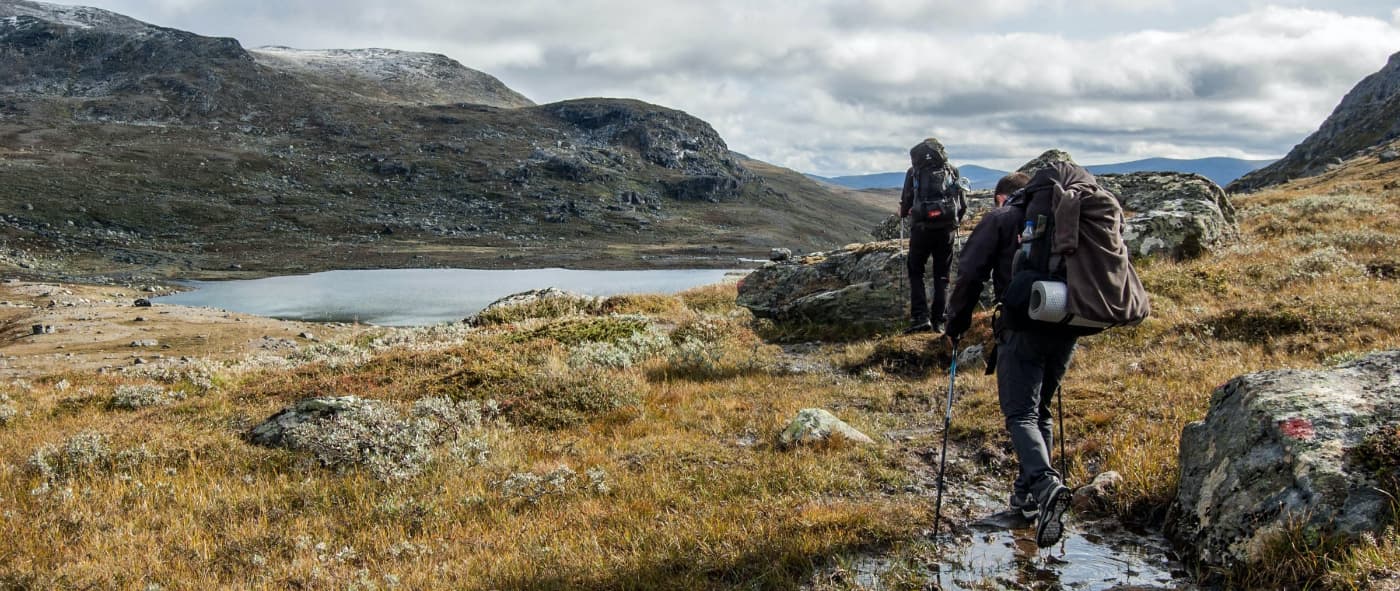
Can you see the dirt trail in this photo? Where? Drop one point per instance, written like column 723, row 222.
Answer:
column 98, row 327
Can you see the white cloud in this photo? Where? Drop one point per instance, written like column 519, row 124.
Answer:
column 842, row 86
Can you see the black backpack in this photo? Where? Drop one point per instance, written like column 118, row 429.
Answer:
column 937, row 195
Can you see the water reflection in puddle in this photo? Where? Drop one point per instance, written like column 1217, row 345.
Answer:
column 1090, row 561
column 1094, row 556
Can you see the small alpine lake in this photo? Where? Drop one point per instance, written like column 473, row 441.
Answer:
column 418, row 297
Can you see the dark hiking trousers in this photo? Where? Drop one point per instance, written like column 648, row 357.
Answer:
column 925, row 244
column 1030, row 366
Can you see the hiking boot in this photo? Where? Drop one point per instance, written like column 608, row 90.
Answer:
column 1050, row 523
column 939, row 327
column 919, row 326
column 1025, row 504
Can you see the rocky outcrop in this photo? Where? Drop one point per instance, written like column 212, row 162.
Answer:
column 814, row 426
column 1180, row 215
column 1044, row 161
column 1280, row 449
column 865, row 285
column 1367, row 117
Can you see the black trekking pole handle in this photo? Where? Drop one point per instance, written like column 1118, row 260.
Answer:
column 943, row 455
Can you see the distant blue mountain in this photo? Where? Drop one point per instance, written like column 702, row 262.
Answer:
column 1220, row 170
column 980, row 177
column 880, row 180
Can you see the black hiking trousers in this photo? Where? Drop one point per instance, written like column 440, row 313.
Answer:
column 1030, row 366
column 924, row 244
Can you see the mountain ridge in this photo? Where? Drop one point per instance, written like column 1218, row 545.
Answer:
column 1366, row 118
column 139, row 149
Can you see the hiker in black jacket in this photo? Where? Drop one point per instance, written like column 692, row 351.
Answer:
column 989, row 251
column 934, row 199
column 1029, row 365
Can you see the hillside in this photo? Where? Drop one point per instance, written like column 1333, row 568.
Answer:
column 127, row 148
column 1367, row 117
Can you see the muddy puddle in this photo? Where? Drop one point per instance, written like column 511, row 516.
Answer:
column 1094, row 555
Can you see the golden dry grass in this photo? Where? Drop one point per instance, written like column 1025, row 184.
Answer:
column 694, row 491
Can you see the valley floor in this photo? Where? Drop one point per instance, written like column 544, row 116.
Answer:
column 624, row 443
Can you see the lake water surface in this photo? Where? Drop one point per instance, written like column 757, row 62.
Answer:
column 414, row 297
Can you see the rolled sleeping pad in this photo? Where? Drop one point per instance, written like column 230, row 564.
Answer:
column 1050, row 303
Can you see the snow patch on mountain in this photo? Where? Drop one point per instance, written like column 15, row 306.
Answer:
column 390, row 74
column 16, row 13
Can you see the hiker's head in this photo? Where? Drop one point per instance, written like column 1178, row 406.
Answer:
column 929, row 152
column 1010, row 184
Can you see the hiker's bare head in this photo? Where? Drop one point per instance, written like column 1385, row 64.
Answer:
column 929, row 152
column 1010, row 184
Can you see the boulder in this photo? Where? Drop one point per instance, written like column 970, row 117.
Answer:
column 272, row 432
column 815, row 425
column 1280, row 449
column 1044, row 161
column 893, row 228
column 973, row 357
column 1180, row 215
column 1389, row 156
column 780, row 254
column 863, row 284
column 1099, row 494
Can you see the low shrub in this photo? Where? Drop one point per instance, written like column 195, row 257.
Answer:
column 8, row 410
column 554, row 401
column 649, row 305
column 371, row 434
column 630, row 351
column 713, row 299
column 129, row 397
column 607, row 329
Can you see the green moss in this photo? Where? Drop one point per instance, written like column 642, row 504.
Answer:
column 607, row 329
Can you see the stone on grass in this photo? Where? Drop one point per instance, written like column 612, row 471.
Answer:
column 1285, row 449
column 1099, row 494
column 814, row 426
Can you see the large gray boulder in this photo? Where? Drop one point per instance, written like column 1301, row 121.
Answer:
column 1180, row 215
column 1279, row 449
column 862, row 284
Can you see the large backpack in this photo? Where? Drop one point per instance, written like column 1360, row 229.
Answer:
column 1076, row 276
column 937, row 196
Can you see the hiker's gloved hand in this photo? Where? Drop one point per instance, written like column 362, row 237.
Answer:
column 957, row 325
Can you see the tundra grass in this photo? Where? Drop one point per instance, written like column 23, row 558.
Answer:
column 646, row 458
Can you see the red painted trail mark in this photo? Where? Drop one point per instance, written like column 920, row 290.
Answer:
column 1297, row 428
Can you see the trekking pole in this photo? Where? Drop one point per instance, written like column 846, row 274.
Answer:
column 1060, row 405
column 943, row 454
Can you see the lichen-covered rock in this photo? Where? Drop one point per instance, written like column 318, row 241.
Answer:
column 273, row 431
column 863, row 284
column 1044, row 161
column 1278, row 450
column 815, row 425
column 893, row 228
column 1180, row 215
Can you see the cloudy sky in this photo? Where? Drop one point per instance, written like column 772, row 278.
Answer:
column 844, row 86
